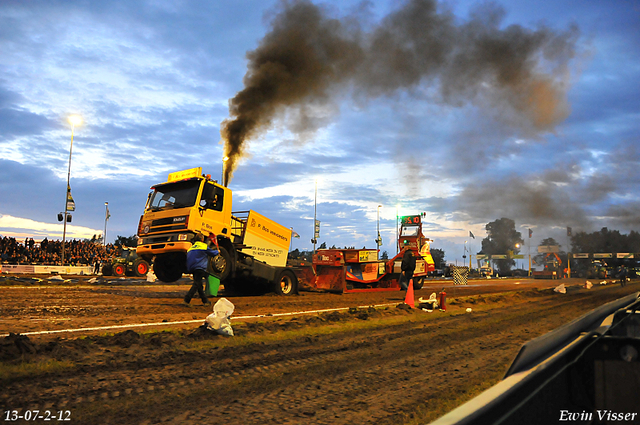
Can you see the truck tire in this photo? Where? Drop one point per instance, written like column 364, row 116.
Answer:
column 287, row 283
column 119, row 270
column 418, row 282
column 140, row 267
column 220, row 265
column 169, row 267
column 107, row 270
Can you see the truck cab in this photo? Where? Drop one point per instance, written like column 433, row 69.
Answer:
column 251, row 247
column 186, row 203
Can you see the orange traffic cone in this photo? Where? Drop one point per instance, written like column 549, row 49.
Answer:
column 408, row 299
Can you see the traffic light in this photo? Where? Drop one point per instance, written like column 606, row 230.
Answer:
column 68, row 218
column 60, row 217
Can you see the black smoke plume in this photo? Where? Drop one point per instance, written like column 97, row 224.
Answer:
column 309, row 58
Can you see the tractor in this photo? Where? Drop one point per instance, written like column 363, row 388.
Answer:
column 128, row 263
column 553, row 268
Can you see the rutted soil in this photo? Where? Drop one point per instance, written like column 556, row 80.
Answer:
column 361, row 365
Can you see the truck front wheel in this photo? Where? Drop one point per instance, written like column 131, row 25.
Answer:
column 287, row 283
column 169, row 267
column 220, row 265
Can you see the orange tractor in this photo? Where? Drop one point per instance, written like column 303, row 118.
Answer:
column 553, row 268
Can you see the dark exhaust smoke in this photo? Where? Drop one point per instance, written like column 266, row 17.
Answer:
column 309, row 59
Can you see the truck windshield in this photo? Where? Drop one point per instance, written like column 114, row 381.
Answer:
column 174, row 195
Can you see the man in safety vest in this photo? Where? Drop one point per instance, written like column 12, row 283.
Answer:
column 197, row 259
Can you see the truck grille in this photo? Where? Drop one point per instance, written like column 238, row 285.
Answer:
column 170, row 224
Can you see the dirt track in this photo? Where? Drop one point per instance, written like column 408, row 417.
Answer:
column 359, row 365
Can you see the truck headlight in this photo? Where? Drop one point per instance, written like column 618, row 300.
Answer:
column 182, row 237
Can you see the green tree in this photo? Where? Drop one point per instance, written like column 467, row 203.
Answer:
column 501, row 239
column 294, row 255
column 607, row 241
column 130, row 241
column 438, row 257
column 384, row 255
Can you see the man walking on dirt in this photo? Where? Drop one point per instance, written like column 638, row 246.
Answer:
column 197, row 259
column 407, row 267
column 622, row 274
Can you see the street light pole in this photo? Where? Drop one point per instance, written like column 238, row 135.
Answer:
column 397, row 229
column 106, row 218
column 464, row 254
column 315, row 221
column 378, row 240
column 74, row 120
column 529, row 253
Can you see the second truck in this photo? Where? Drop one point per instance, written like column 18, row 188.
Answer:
column 253, row 249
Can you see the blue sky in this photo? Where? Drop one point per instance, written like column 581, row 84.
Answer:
column 434, row 134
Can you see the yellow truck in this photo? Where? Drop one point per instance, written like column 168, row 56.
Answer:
column 253, row 249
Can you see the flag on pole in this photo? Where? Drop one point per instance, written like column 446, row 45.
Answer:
column 471, row 235
column 71, row 205
column 530, row 233
column 108, row 214
column 295, row 234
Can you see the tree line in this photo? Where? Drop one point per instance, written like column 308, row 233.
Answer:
column 503, row 238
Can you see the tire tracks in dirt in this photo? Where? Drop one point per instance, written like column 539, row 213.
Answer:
column 379, row 375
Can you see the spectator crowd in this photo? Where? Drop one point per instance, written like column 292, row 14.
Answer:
column 46, row 252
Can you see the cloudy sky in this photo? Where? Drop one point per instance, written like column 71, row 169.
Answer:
column 463, row 110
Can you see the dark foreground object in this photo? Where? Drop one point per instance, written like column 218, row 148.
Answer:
column 586, row 372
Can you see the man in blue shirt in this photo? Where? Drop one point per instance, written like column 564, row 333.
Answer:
column 197, row 259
